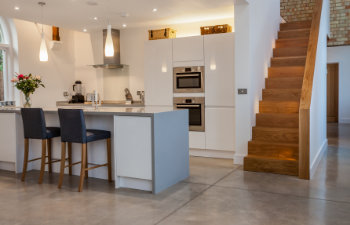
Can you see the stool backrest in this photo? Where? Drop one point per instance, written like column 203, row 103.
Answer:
column 73, row 128
column 33, row 123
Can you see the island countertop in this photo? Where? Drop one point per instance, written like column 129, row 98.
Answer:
column 89, row 110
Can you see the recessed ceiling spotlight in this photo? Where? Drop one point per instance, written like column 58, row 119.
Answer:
column 95, row 18
column 155, row 10
column 92, row 3
column 85, row 30
column 16, row 8
column 124, row 25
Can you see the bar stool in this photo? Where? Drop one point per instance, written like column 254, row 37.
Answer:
column 73, row 130
column 35, row 128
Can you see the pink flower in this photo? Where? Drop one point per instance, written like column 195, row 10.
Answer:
column 14, row 80
column 21, row 76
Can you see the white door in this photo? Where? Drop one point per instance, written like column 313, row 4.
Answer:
column 188, row 49
column 219, row 129
column 219, row 69
column 158, row 73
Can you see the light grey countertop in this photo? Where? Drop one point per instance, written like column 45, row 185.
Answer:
column 105, row 103
column 101, row 110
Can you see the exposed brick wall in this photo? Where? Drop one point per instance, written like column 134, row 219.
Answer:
column 300, row 10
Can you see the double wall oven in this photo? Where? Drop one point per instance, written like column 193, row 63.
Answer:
column 196, row 108
column 188, row 86
column 189, row 79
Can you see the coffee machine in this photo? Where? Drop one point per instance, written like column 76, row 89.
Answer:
column 78, row 97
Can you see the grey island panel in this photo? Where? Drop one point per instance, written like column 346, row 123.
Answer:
column 171, row 149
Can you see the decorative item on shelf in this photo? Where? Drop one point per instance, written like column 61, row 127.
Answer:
column 27, row 84
column 217, row 29
column 166, row 33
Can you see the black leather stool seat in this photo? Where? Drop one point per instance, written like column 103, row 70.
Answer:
column 52, row 132
column 95, row 135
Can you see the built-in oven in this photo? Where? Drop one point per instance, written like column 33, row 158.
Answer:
column 189, row 79
column 196, row 108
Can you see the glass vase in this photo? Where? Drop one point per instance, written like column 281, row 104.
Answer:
column 27, row 101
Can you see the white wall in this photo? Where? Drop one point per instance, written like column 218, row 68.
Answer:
column 256, row 26
column 318, row 108
column 57, row 74
column 341, row 55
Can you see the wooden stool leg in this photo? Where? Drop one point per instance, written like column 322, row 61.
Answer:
column 70, row 158
column 49, row 156
column 43, row 160
column 83, row 164
column 109, row 160
column 25, row 160
column 87, row 163
column 63, row 163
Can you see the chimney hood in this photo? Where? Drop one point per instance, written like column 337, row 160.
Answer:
column 114, row 61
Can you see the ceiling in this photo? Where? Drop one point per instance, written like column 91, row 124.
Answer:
column 79, row 14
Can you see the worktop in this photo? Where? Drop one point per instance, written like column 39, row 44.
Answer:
column 150, row 145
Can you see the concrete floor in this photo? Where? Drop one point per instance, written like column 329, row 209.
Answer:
column 216, row 193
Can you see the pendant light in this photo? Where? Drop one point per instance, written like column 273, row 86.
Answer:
column 109, row 48
column 43, row 56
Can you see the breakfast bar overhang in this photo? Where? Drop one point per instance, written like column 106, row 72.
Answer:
column 150, row 145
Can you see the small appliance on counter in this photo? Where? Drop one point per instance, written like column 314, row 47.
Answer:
column 78, row 90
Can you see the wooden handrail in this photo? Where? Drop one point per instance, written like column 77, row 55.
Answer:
column 306, row 93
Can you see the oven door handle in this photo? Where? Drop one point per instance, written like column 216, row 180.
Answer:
column 188, row 75
column 188, row 106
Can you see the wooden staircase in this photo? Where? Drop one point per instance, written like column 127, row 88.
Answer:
column 275, row 142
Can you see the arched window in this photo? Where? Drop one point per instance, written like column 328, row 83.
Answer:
column 2, row 65
column 8, row 59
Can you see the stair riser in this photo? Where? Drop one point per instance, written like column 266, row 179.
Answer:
column 286, row 71
column 291, row 43
column 277, row 151
column 288, row 62
column 275, row 120
column 289, row 52
column 271, row 107
column 281, row 95
column 281, row 136
column 295, row 83
column 271, row 166
column 294, row 34
column 295, row 25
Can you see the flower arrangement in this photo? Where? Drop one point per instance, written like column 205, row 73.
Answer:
column 27, row 84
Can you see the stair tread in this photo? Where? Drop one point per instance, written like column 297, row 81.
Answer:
column 274, row 143
column 273, row 158
column 295, row 30
column 289, row 57
column 293, row 39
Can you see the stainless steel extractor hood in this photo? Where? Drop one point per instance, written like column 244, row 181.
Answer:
column 114, row 61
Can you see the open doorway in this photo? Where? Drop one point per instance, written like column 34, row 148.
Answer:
column 333, row 93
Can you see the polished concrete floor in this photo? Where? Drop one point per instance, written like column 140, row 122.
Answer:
column 215, row 193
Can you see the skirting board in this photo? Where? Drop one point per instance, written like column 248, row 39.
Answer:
column 133, row 183
column 318, row 158
column 211, row 153
column 344, row 120
column 9, row 166
column 238, row 159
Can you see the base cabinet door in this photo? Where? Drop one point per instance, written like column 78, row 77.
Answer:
column 219, row 129
column 8, row 137
column 158, row 73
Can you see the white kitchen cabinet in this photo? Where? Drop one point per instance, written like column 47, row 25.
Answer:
column 158, row 73
column 8, row 137
column 197, row 140
column 219, row 69
column 188, row 49
column 219, row 128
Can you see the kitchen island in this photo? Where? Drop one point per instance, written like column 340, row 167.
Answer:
column 150, row 145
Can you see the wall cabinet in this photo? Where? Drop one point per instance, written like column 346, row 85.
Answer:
column 158, row 73
column 219, row 69
column 220, row 128
column 188, row 49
